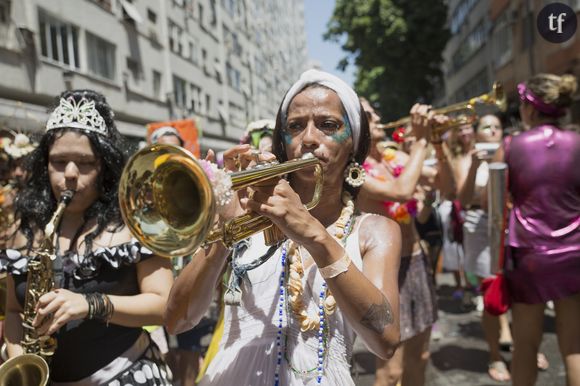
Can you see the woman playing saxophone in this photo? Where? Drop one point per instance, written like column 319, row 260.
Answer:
column 106, row 285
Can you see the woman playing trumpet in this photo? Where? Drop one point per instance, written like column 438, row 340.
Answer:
column 334, row 276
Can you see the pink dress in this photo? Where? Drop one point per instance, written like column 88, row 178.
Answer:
column 544, row 234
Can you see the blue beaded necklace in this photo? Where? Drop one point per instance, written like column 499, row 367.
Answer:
column 323, row 329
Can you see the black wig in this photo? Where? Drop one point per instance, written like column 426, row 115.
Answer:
column 36, row 204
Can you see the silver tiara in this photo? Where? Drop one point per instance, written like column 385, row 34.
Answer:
column 78, row 115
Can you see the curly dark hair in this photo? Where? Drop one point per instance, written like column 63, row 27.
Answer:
column 36, row 204
column 364, row 144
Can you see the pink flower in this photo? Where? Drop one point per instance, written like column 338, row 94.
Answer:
column 397, row 170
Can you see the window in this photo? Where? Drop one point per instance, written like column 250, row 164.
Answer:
column 179, row 3
column 233, row 77
column 4, row 12
column 229, row 6
column 502, row 41
column 195, row 98
column 179, row 92
column 460, row 13
column 175, row 38
column 157, row 92
column 193, row 55
column 135, row 69
column 473, row 42
column 59, row 41
column 207, row 104
column 151, row 15
column 101, row 57
column 475, row 86
column 232, row 42
column 204, row 61
column 213, row 21
column 200, row 9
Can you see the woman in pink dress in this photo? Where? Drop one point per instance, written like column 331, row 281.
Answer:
column 544, row 239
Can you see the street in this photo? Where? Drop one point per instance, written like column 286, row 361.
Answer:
column 460, row 357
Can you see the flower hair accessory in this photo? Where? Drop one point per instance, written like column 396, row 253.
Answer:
column 77, row 115
column 19, row 146
column 220, row 182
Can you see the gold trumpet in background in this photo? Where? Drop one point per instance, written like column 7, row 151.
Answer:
column 495, row 97
column 168, row 202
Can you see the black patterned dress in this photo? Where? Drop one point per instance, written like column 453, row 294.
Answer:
column 91, row 352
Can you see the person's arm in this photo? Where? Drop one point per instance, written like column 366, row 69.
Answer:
column 194, row 288
column 13, row 332
column 155, row 280
column 444, row 180
column 369, row 303
column 466, row 179
column 60, row 306
column 370, row 299
column 402, row 188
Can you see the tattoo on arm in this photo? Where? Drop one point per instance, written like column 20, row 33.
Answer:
column 378, row 316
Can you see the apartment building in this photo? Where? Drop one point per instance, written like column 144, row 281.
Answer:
column 222, row 62
column 497, row 40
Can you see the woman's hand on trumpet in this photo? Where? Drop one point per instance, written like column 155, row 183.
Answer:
column 424, row 122
column 237, row 158
column 283, row 206
column 241, row 157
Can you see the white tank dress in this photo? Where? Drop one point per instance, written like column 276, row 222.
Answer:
column 248, row 351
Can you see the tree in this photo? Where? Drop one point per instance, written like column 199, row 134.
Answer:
column 396, row 46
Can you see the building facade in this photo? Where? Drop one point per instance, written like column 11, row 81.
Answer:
column 222, row 62
column 497, row 40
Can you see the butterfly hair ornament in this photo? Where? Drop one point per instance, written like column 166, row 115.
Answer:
column 77, row 115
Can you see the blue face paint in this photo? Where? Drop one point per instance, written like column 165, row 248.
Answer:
column 342, row 136
column 287, row 137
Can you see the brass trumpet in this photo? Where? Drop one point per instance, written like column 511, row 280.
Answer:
column 495, row 97
column 168, row 202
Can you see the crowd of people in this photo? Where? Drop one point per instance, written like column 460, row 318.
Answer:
column 396, row 208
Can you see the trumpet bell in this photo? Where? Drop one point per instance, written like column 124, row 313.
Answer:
column 24, row 370
column 166, row 200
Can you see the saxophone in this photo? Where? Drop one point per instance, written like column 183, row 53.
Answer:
column 31, row 368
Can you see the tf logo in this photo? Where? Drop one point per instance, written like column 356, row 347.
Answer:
column 557, row 22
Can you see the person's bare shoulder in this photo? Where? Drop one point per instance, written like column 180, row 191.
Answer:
column 378, row 231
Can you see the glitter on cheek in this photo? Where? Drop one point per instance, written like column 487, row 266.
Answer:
column 342, row 136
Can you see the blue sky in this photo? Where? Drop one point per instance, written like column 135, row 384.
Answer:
column 327, row 54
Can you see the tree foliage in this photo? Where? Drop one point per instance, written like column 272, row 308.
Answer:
column 396, row 46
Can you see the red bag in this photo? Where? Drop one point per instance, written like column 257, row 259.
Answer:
column 496, row 296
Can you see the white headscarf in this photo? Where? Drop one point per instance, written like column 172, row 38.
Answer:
column 165, row 130
column 347, row 96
